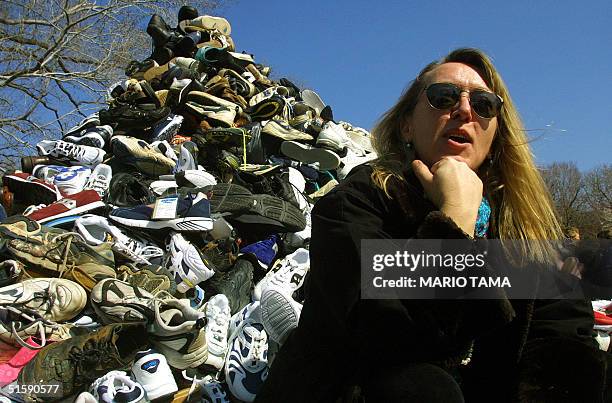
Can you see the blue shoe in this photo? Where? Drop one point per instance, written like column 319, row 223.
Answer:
column 192, row 214
column 265, row 251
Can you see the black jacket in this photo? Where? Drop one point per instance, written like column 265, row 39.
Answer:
column 522, row 350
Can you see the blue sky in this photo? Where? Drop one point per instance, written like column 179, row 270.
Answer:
column 555, row 56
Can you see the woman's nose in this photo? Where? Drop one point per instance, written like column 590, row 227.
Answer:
column 463, row 109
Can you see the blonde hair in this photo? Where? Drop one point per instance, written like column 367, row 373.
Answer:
column 521, row 204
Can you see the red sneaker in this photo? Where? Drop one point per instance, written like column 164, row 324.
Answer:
column 77, row 203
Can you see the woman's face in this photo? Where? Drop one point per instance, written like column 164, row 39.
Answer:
column 457, row 132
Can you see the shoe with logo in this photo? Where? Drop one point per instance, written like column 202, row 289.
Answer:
column 288, row 273
column 166, row 129
column 188, row 266
column 192, row 214
column 71, row 153
column 235, row 284
column 116, row 386
column 280, row 313
column 77, row 203
column 100, row 179
column 140, row 155
column 217, row 323
column 55, row 299
column 71, row 180
column 77, row 362
column 178, row 333
column 246, row 366
column 48, row 172
column 96, row 230
column 97, row 136
column 151, row 370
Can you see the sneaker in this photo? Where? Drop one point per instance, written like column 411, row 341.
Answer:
column 78, row 203
column 288, row 273
column 218, row 111
column 166, row 129
column 230, row 136
column 116, row 386
column 154, row 278
column 178, row 333
column 333, row 137
column 17, row 326
column 71, row 153
column 100, row 179
column 235, row 284
column 90, row 121
column 151, row 370
column 246, row 366
column 308, row 154
column 140, row 155
column 194, row 178
column 210, row 23
column 280, row 313
column 313, row 100
column 97, row 136
column 282, row 130
column 351, row 160
column 188, row 157
column 55, row 299
column 28, row 163
column 78, row 361
column 28, row 189
column 71, row 180
column 192, row 214
column 267, row 108
column 217, row 316
column 213, row 391
column 117, row 301
column 48, row 172
column 188, row 266
column 134, row 117
column 96, row 230
column 163, row 147
column 250, row 313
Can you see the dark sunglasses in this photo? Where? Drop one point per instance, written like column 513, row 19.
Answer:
column 446, row 95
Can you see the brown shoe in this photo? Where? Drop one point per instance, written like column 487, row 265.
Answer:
column 75, row 363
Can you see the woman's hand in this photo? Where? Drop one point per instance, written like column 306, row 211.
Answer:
column 454, row 188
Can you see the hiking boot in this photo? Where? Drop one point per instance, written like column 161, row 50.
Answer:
column 140, row 155
column 77, row 362
column 235, row 284
column 55, row 299
column 71, row 153
column 63, row 254
column 178, row 333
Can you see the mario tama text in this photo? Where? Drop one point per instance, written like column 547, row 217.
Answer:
column 462, row 269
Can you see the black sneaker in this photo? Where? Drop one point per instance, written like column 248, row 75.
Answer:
column 236, row 284
column 141, row 117
column 128, row 190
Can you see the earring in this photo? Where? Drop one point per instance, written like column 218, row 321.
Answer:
column 408, row 145
column 409, row 150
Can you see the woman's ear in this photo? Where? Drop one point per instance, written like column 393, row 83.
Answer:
column 405, row 130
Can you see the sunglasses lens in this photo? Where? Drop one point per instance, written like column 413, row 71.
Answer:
column 485, row 104
column 443, row 95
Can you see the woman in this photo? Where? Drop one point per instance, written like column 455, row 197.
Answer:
column 453, row 137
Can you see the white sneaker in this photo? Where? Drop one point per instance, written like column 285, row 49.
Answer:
column 288, row 273
column 70, row 152
column 187, row 264
column 165, row 148
column 47, row 172
column 72, row 180
column 351, row 160
column 97, row 136
column 603, row 340
column 246, row 366
column 218, row 317
column 161, row 186
column 97, row 230
column 250, row 313
column 116, row 386
column 301, row 239
column 280, row 313
column 90, row 121
column 152, row 371
column 212, row 390
column 333, row 137
column 197, row 177
column 186, row 160
column 100, row 178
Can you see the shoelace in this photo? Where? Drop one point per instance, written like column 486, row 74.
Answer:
column 70, row 150
column 30, row 209
column 62, row 267
column 32, row 318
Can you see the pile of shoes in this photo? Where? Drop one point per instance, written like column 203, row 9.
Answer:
column 158, row 250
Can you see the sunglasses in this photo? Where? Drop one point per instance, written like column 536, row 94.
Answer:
column 446, row 95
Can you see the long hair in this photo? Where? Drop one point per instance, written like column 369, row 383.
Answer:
column 522, row 206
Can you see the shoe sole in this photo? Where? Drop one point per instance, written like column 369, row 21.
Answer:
column 327, row 159
column 179, row 224
column 74, row 211
column 279, row 210
column 278, row 315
